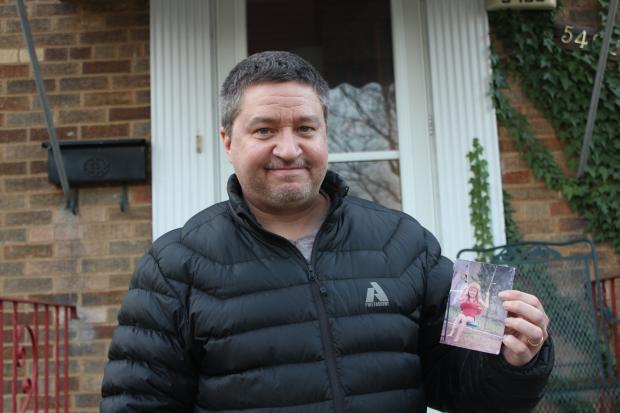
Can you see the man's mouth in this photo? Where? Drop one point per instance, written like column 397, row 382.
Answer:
column 280, row 166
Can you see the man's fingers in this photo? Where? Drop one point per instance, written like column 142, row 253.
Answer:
column 520, row 308
column 516, row 346
column 525, row 329
column 516, row 295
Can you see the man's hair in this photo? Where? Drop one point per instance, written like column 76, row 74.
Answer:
column 268, row 67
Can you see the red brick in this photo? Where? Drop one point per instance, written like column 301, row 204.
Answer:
column 64, row 132
column 36, row 26
column 55, row 9
column 12, row 202
column 107, row 98
column 21, row 119
column 80, row 53
column 143, row 96
column 67, row 298
column 104, row 332
column 38, row 167
column 55, row 54
column 103, row 298
column 106, row 51
column 141, row 129
column 571, row 224
column 59, row 69
column 13, row 235
column 84, row 83
column 143, row 112
column 109, row 36
column 519, row 177
column 25, row 151
column 55, row 39
column 13, row 41
column 131, row 81
column 59, row 101
column 140, row 194
column 28, row 251
column 127, row 20
column 105, row 265
column 8, row 71
column 105, row 131
column 560, row 208
column 27, row 285
column 140, row 34
column 11, row 269
column 12, row 168
column 12, row 135
column 45, row 200
column 82, row 116
column 133, row 213
column 28, row 86
column 8, row 11
column 111, row 66
column 131, row 50
column 51, row 267
column 140, row 65
column 15, row 103
column 26, row 184
column 28, row 218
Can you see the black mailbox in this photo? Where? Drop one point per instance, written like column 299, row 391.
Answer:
column 100, row 161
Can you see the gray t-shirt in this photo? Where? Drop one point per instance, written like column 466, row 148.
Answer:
column 304, row 244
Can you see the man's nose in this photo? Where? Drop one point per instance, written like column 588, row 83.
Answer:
column 287, row 146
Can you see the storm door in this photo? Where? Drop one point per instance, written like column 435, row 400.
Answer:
column 350, row 43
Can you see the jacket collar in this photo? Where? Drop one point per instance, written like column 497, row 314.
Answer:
column 333, row 185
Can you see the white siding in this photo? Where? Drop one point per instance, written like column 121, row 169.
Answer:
column 181, row 107
column 462, row 109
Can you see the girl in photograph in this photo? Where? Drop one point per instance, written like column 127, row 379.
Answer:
column 471, row 304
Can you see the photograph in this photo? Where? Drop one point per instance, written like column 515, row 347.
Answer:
column 475, row 316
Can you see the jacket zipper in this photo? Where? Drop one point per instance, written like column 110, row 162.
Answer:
column 318, row 292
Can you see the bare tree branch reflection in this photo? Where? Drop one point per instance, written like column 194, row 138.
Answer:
column 364, row 119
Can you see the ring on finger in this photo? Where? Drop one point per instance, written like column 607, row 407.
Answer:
column 534, row 343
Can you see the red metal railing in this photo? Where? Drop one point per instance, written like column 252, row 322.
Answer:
column 29, row 326
column 609, row 289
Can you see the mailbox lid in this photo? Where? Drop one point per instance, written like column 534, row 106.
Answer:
column 100, row 161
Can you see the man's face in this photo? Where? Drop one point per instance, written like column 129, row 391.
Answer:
column 278, row 146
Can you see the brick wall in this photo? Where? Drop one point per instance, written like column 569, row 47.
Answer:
column 539, row 212
column 94, row 56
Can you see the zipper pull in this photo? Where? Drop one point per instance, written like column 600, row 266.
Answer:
column 315, row 279
column 311, row 275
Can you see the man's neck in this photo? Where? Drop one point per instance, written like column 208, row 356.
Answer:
column 293, row 224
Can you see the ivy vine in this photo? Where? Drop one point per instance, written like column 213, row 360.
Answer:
column 479, row 200
column 559, row 82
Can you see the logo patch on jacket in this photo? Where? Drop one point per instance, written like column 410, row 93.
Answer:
column 376, row 297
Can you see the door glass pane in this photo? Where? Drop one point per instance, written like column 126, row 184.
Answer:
column 377, row 180
column 350, row 43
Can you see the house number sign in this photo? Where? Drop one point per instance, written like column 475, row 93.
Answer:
column 572, row 37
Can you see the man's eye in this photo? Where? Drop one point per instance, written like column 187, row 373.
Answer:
column 305, row 129
column 262, row 131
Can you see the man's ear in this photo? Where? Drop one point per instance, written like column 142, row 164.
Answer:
column 226, row 141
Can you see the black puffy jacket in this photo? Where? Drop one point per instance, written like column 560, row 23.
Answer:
column 223, row 316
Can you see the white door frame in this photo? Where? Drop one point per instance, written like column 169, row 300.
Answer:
column 433, row 131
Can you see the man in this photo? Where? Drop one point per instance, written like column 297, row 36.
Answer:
column 294, row 297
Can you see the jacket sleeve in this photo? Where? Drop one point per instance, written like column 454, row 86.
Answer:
column 461, row 380
column 150, row 365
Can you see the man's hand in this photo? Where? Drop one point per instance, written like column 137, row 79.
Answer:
column 526, row 327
